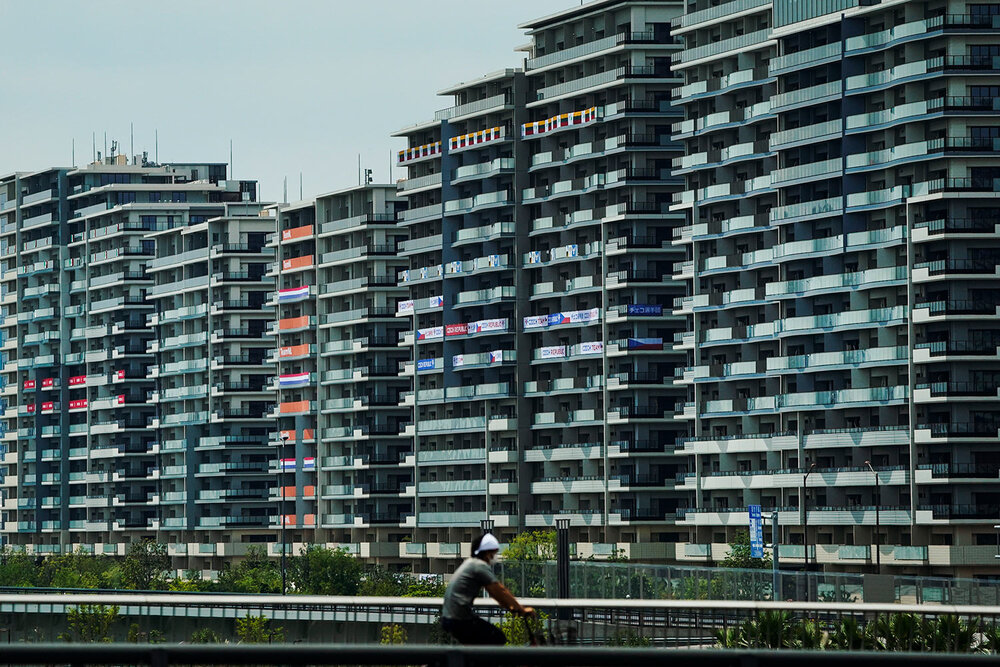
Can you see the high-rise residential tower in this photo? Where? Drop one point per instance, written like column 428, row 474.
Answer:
column 841, row 166
column 541, row 291
column 123, row 419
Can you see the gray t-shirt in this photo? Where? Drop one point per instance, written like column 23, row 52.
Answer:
column 467, row 582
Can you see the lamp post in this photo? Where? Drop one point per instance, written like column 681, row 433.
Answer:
column 878, row 527
column 284, row 516
column 805, row 517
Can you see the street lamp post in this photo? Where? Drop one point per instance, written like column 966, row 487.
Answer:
column 878, row 526
column 805, row 519
column 284, row 513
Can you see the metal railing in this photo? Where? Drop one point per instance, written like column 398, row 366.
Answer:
column 701, row 624
column 442, row 656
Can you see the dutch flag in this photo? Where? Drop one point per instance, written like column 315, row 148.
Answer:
column 293, row 293
column 293, row 379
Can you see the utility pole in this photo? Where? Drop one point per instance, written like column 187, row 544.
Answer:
column 878, row 526
column 775, row 577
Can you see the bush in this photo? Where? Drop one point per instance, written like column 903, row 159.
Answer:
column 515, row 629
column 90, row 623
column 258, row 630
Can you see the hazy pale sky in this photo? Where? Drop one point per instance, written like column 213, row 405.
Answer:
column 298, row 85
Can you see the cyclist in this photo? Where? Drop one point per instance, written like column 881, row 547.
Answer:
column 475, row 573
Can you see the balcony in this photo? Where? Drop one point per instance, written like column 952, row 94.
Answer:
column 603, row 79
column 588, row 48
column 715, row 49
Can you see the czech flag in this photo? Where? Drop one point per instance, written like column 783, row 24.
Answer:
column 293, row 379
column 645, row 343
column 293, row 293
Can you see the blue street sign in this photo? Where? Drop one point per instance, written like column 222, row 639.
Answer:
column 756, row 532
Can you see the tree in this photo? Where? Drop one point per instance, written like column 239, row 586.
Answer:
column 536, row 545
column 739, row 555
column 258, row 630
column 146, row 565
column 318, row 570
column 392, row 634
column 256, row 573
column 17, row 569
column 90, row 623
column 191, row 582
column 525, row 559
column 205, row 636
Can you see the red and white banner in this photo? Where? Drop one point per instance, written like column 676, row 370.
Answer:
column 29, row 384
column 119, row 375
column 417, row 152
column 473, row 139
column 30, row 408
column 561, row 121
column 48, row 406
column 121, row 399
column 78, row 404
column 48, row 383
column 78, row 380
column 456, row 329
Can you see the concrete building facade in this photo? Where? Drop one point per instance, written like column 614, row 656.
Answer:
column 840, row 164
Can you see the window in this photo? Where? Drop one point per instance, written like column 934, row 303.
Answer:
column 177, row 197
column 124, row 197
column 155, row 197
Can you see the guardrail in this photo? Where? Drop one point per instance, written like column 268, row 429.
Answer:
column 704, row 624
column 435, row 656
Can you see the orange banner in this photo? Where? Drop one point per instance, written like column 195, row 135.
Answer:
column 294, row 323
column 307, row 434
column 294, row 351
column 296, row 263
column 296, row 233
column 294, row 406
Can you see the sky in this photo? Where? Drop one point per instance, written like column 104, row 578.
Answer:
column 296, row 85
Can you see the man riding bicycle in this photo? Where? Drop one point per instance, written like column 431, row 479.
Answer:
column 469, row 579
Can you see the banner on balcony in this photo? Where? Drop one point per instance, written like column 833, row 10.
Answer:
column 552, row 352
column 484, row 326
column 562, row 120
column 49, row 383
column 471, row 139
column 426, row 364
column 309, row 463
column 293, row 351
column 48, row 406
column 288, row 464
column 29, row 384
column 574, row 317
column 496, row 356
column 494, row 260
column 120, row 399
column 430, row 333
column 644, row 309
column 78, row 404
column 536, row 322
column 30, row 408
column 456, row 329
column 417, row 152
column 404, row 276
column 645, row 343
column 119, row 375
column 458, row 361
column 435, row 301
column 595, row 347
column 293, row 379
column 535, row 257
column 78, row 380
column 293, row 293
column 405, row 306
column 572, row 250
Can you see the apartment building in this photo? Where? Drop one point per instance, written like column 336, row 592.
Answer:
column 128, row 405
column 841, row 163
column 346, row 478
column 539, row 319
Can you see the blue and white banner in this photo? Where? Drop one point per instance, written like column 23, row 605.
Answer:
column 293, row 380
column 293, row 293
column 406, row 306
column 426, row 364
column 435, row 301
column 756, row 532
column 596, row 347
column 430, row 333
column 644, row 309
